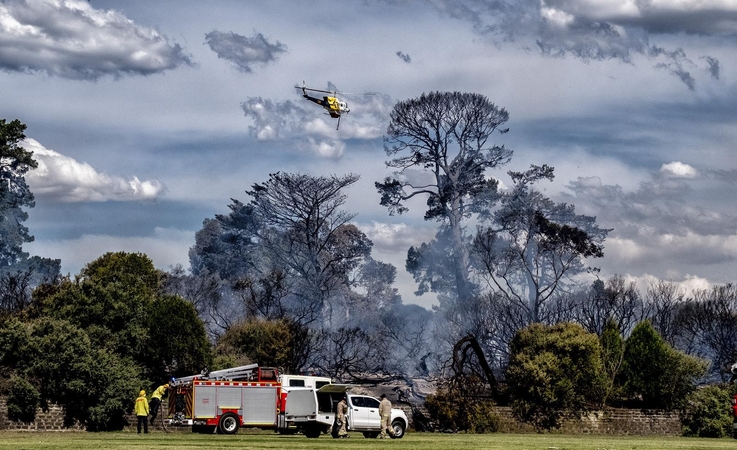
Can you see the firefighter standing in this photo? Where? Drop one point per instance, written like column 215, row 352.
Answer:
column 141, row 409
column 156, row 400
column 385, row 412
column 340, row 416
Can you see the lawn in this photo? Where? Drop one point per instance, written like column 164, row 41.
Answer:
column 424, row 441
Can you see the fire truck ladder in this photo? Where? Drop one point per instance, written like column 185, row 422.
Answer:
column 240, row 373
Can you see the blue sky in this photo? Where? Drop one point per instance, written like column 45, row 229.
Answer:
column 148, row 117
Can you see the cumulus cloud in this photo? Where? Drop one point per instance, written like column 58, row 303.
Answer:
column 311, row 129
column 659, row 222
column 678, row 169
column 71, row 39
column 602, row 29
column 661, row 203
column 686, row 283
column 326, row 148
column 391, row 242
column 274, row 119
column 66, row 179
column 388, row 237
column 241, row 51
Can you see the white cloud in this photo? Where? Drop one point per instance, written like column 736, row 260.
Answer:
column 687, row 284
column 679, row 170
column 329, row 148
column 397, row 237
column 675, row 12
column 391, row 242
column 556, row 17
column 599, row 30
column 691, row 283
column 71, row 39
column 307, row 125
column 68, row 180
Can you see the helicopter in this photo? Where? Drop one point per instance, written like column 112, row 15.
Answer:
column 334, row 106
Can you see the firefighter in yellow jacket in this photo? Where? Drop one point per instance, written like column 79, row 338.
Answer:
column 141, row 409
column 156, row 400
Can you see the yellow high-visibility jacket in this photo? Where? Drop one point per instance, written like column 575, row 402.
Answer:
column 141, row 406
column 159, row 392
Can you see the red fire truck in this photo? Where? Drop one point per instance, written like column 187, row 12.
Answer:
column 253, row 396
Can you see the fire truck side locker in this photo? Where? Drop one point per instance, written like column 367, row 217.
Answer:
column 254, row 406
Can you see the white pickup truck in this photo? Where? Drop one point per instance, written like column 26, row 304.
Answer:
column 363, row 416
column 312, row 411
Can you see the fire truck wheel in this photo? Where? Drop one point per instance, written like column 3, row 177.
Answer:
column 228, row 424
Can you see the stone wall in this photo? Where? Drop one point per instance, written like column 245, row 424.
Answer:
column 614, row 421
column 51, row 420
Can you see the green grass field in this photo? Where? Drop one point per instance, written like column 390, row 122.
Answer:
column 423, row 441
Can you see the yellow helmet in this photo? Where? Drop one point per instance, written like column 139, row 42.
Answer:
column 166, row 386
column 142, row 393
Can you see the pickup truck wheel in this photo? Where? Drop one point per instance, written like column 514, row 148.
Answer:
column 229, row 424
column 370, row 434
column 312, row 432
column 398, row 427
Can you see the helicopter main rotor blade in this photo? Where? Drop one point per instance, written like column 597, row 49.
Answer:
column 315, row 90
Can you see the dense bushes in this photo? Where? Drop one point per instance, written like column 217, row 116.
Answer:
column 469, row 409
column 55, row 361
column 22, row 400
column 554, row 372
column 654, row 372
column 117, row 300
column 560, row 371
column 271, row 343
column 90, row 344
column 708, row 412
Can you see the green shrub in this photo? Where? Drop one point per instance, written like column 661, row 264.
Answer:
column 708, row 413
column 451, row 410
column 612, row 358
column 554, row 372
column 443, row 410
column 272, row 343
column 23, row 399
column 482, row 418
column 656, row 373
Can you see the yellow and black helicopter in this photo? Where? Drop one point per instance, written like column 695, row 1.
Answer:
column 332, row 104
